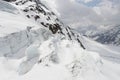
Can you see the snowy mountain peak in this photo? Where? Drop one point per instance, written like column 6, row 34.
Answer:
column 41, row 25
column 43, row 16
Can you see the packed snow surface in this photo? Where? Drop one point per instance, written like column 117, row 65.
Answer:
column 72, row 63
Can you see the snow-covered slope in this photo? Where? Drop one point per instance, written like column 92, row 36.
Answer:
column 28, row 21
column 35, row 44
column 70, row 62
column 13, row 30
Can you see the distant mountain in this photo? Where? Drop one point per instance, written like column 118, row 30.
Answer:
column 104, row 35
column 111, row 36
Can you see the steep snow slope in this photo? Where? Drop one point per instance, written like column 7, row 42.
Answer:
column 27, row 22
column 70, row 63
column 13, row 30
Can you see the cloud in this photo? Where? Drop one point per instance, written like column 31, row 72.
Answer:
column 77, row 14
column 109, row 12
column 85, row 1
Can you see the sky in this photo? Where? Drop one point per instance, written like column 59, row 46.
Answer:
column 77, row 13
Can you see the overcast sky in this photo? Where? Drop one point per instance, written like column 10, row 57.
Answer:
column 78, row 13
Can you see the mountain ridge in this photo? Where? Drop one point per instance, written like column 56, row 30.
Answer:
column 43, row 18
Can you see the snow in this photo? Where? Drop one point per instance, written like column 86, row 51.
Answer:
column 4, row 6
column 14, row 31
column 34, row 54
column 108, row 52
column 48, row 73
column 15, row 23
column 88, row 65
column 32, row 51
